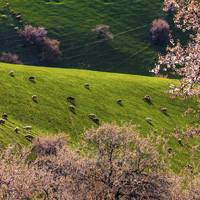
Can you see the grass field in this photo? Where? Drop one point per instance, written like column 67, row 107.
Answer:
column 50, row 113
column 71, row 22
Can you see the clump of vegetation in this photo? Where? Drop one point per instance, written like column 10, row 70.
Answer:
column 102, row 32
column 33, row 35
column 122, row 164
column 183, row 60
column 50, row 50
column 171, row 7
column 49, row 145
column 10, row 58
column 160, row 31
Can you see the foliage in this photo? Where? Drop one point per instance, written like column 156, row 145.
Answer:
column 187, row 13
column 184, row 60
column 48, row 145
column 120, row 164
column 33, row 35
column 10, row 58
column 160, row 30
column 50, row 50
column 171, row 7
column 102, row 32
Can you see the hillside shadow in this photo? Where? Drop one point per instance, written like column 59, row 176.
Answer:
column 108, row 56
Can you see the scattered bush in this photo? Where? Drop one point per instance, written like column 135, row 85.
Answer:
column 102, row 32
column 33, row 35
column 160, row 31
column 50, row 50
column 10, row 58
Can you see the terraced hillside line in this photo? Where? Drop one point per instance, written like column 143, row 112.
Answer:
column 127, row 59
column 51, row 121
column 13, row 127
column 11, row 138
column 73, row 124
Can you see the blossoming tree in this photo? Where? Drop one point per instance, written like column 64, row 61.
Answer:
column 184, row 60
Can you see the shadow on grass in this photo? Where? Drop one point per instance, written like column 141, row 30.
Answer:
column 165, row 114
column 149, row 102
column 35, row 100
column 119, row 103
column 150, row 123
column 72, row 102
column 33, row 81
column 73, row 111
column 88, row 88
column 96, row 121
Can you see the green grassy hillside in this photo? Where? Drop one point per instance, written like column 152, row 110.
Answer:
column 71, row 23
column 50, row 113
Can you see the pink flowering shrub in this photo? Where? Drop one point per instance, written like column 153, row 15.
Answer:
column 102, row 32
column 47, row 49
column 49, row 145
column 10, row 58
column 33, row 35
column 186, row 14
column 160, row 30
column 171, row 7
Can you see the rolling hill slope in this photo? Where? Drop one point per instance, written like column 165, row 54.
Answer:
column 71, row 23
column 50, row 113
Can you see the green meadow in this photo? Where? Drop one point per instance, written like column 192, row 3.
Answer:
column 50, row 113
column 71, row 22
